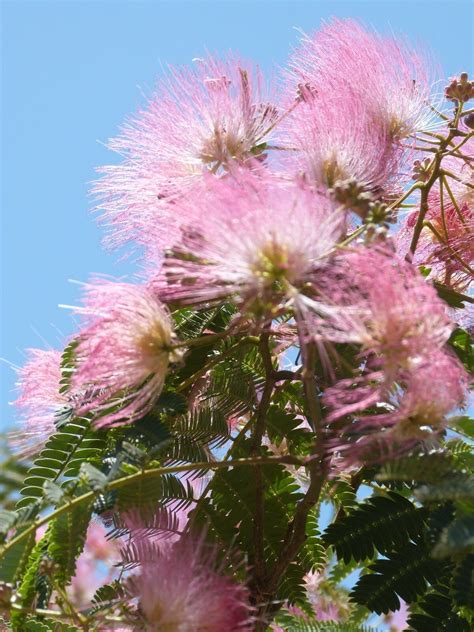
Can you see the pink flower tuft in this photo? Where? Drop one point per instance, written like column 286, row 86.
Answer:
column 123, row 350
column 39, row 399
column 412, row 409
column 180, row 590
column 385, row 74
column 337, row 141
column 200, row 119
column 256, row 240
column 400, row 315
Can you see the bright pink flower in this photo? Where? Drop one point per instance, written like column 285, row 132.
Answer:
column 337, row 142
column 200, row 119
column 344, row 60
column 123, row 350
column 39, row 400
column 446, row 248
column 256, row 240
column 445, row 245
column 179, row 589
column 400, row 315
column 412, row 409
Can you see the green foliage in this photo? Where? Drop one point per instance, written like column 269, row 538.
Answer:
column 68, row 534
column 146, row 491
column 403, row 574
column 462, row 344
column 291, row 623
column 380, row 524
column 62, row 457
column 48, row 625
column 438, row 613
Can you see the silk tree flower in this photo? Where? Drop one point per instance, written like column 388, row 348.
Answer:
column 39, row 399
column 123, row 351
column 99, row 553
column 179, row 588
column 400, row 315
column 200, row 119
column 256, row 241
column 414, row 411
column 445, row 242
column 345, row 60
column 337, row 141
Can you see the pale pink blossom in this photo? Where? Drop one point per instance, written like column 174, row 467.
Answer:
column 180, row 588
column 345, row 60
column 123, row 351
column 94, row 567
column 257, row 242
column 398, row 620
column 40, row 399
column 201, row 118
column 413, row 409
column 445, row 242
column 336, row 141
column 400, row 316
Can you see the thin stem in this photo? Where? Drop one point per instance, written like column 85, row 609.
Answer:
column 257, row 436
column 453, row 200
column 127, row 480
column 453, row 252
column 405, row 195
column 425, row 190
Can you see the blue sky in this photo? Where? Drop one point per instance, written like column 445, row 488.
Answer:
column 73, row 70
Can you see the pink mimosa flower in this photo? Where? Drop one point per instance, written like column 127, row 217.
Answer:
column 39, row 399
column 413, row 410
column 201, row 118
column 336, row 141
column 123, row 350
column 391, row 79
column 257, row 241
column 179, row 589
column 401, row 315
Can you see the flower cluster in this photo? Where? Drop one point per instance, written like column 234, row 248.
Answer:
column 281, row 224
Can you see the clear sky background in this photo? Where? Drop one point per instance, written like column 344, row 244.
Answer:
column 71, row 72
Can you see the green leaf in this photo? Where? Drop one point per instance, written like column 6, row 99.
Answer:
column 457, row 537
column 423, row 468
column 462, row 344
column 96, row 479
column 152, row 489
column 53, row 460
column 48, row 625
column 404, row 574
column 438, row 612
column 67, row 538
column 13, row 561
column 456, row 487
column 381, row 524
column 463, row 582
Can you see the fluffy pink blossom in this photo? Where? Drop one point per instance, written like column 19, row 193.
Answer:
column 39, row 399
column 123, row 351
column 445, row 243
column 200, row 119
column 337, row 141
column 446, row 248
column 400, row 315
column 99, row 554
column 345, row 60
column 398, row 620
column 180, row 589
column 413, row 409
column 256, row 240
